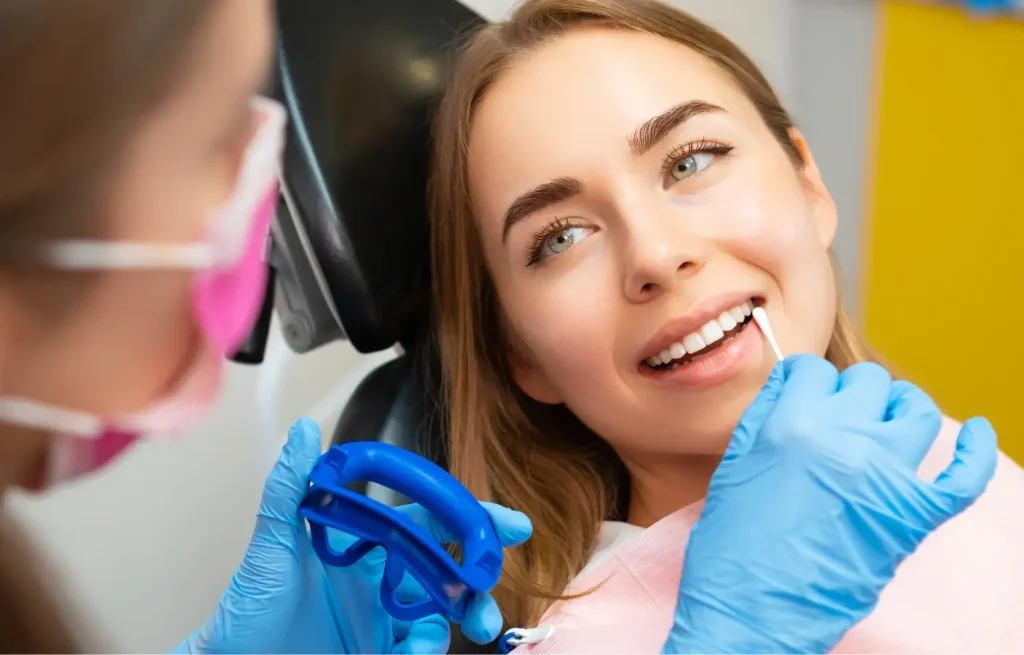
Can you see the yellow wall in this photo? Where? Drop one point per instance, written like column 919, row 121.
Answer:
column 945, row 244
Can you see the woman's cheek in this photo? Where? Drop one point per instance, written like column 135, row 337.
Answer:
column 779, row 240
column 565, row 321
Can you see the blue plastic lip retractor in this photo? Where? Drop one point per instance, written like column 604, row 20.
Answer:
column 449, row 585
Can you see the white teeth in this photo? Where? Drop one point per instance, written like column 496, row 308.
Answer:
column 709, row 333
column 694, row 342
column 712, row 332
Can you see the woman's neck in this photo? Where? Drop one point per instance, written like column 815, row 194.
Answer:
column 662, row 485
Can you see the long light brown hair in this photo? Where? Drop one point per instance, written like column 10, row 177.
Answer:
column 76, row 79
column 504, row 446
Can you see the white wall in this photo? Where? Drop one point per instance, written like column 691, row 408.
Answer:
column 761, row 27
column 833, row 66
column 148, row 546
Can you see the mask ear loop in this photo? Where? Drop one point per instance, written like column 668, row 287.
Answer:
column 40, row 416
column 86, row 254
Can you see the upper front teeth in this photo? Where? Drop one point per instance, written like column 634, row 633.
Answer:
column 708, row 333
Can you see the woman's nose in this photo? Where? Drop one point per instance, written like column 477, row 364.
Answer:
column 655, row 265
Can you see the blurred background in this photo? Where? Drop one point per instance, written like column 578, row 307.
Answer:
column 915, row 113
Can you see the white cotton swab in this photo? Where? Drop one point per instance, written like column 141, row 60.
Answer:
column 761, row 317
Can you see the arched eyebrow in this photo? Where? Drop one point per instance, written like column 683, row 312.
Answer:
column 539, row 197
column 653, row 131
column 641, row 141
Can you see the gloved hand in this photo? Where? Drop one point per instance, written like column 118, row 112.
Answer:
column 815, row 504
column 283, row 600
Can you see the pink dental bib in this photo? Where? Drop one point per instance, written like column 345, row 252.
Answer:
column 961, row 592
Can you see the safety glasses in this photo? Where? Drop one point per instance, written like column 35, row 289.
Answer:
column 409, row 547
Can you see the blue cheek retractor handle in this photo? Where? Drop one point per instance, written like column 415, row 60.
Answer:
column 410, row 548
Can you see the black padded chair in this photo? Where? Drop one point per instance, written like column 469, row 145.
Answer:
column 360, row 80
column 350, row 248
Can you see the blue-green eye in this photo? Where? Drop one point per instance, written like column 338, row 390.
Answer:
column 564, row 239
column 555, row 239
column 690, row 165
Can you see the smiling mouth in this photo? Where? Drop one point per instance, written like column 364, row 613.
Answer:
column 704, row 342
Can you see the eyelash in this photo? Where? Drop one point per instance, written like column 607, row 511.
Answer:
column 708, row 146
column 541, row 237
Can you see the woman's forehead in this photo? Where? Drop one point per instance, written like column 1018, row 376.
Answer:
column 579, row 99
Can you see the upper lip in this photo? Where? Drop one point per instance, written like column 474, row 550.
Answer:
column 702, row 312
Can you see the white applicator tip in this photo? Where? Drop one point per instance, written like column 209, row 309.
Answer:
column 761, row 318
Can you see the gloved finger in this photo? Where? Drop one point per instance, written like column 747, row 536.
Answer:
column 863, row 391
column 361, row 579
column 483, row 620
column 339, row 540
column 911, row 423
column 289, row 479
column 511, row 527
column 973, row 465
column 279, row 529
column 756, row 414
column 266, row 590
column 430, row 634
column 409, row 590
column 809, row 379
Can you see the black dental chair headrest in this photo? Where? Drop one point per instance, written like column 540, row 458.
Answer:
column 360, row 79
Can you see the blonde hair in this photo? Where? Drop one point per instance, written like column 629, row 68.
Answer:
column 502, row 445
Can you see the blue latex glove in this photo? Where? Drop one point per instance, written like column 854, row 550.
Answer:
column 815, row 504
column 283, row 600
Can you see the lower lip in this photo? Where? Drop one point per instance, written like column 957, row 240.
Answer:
column 723, row 363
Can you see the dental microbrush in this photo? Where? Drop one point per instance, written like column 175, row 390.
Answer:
column 761, row 318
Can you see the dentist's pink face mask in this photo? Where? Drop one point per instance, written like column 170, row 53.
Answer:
column 229, row 283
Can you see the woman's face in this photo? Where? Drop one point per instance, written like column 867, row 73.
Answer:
column 130, row 336
column 632, row 203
